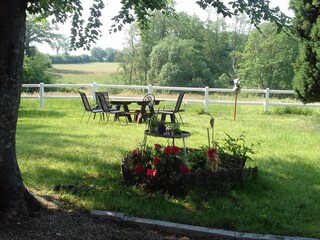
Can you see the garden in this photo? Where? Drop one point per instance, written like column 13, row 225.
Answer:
column 81, row 163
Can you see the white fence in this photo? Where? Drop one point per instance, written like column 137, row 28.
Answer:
column 206, row 91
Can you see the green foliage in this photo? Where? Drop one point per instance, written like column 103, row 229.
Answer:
column 294, row 110
column 233, row 152
column 98, row 54
column 37, row 31
column 61, row 59
column 176, row 62
column 36, row 70
column 306, row 27
column 267, row 60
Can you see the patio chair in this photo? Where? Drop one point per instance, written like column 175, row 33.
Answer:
column 89, row 108
column 106, row 96
column 144, row 113
column 172, row 112
column 106, row 109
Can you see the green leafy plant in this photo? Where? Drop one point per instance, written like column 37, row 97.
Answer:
column 155, row 124
column 233, row 152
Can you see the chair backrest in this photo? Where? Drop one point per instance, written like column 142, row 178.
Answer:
column 106, row 96
column 148, row 100
column 102, row 102
column 85, row 101
column 179, row 101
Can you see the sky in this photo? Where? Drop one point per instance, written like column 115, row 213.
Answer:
column 116, row 40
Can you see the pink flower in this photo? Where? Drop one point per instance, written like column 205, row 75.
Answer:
column 156, row 160
column 151, row 172
column 184, row 169
column 138, row 168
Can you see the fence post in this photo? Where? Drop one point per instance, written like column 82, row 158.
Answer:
column 206, row 98
column 41, row 92
column 94, row 88
column 150, row 89
column 266, row 99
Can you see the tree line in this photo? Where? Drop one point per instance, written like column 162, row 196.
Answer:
column 185, row 51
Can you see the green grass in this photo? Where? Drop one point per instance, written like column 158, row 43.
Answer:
column 53, row 149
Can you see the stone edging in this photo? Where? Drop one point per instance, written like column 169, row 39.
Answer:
column 189, row 229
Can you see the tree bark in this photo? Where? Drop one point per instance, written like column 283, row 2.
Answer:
column 14, row 197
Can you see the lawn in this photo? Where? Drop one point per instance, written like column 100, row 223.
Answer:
column 81, row 163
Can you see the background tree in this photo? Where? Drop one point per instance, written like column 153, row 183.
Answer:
column 14, row 197
column 128, row 55
column 268, row 57
column 98, row 53
column 306, row 25
column 38, row 30
column 111, row 54
column 35, row 69
column 177, row 62
column 60, row 42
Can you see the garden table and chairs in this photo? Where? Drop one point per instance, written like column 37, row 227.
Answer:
column 140, row 113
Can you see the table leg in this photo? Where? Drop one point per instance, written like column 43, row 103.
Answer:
column 126, row 109
column 185, row 149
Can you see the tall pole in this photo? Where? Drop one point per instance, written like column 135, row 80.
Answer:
column 236, row 90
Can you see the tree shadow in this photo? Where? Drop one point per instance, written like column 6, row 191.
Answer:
column 76, row 72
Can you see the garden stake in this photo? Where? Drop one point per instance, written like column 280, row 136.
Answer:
column 212, row 128
column 208, row 134
column 236, row 90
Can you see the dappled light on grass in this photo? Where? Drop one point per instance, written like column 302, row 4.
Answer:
column 82, row 162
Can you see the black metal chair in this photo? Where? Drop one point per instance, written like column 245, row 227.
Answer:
column 106, row 96
column 144, row 113
column 106, row 109
column 89, row 108
column 172, row 112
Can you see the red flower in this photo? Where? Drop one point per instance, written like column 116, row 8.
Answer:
column 138, row 168
column 157, row 146
column 171, row 149
column 156, row 160
column 175, row 150
column 184, row 169
column 151, row 172
column 212, row 153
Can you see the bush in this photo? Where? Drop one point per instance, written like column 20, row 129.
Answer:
column 36, row 70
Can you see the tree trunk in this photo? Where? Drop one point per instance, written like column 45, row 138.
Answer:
column 14, row 197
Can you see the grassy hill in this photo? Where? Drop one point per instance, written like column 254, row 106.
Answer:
column 104, row 73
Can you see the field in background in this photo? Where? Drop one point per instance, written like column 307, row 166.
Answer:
column 104, row 73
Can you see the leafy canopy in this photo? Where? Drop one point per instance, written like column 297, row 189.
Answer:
column 84, row 33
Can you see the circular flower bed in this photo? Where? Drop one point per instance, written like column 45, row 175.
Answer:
column 165, row 168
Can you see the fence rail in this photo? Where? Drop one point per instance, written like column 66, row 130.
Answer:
column 41, row 93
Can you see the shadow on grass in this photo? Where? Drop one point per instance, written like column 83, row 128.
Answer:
column 76, row 72
column 284, row 195
column 40, row 113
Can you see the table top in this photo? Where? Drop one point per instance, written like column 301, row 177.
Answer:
column 129, row 101
column 183, row 134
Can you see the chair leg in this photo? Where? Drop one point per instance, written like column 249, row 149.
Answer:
column 83, row 116
column 180, row 118
column 139, row 117
column 163, row 117
column 173, row 118
column 89, row 117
